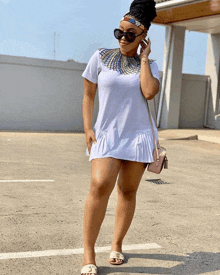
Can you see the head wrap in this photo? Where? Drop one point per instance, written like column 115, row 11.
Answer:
column 143, row 12
column 129, row 19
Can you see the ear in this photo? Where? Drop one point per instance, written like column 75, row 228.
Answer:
column 144, row 35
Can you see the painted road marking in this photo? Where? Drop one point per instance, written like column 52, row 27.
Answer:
column 24, row 180
column 62, row 252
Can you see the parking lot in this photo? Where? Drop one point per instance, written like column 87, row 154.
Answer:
column 44, row 181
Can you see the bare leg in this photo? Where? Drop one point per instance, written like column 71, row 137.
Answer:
column 104, row 173
column 129, row 178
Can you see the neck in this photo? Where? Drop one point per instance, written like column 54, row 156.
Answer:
column 131, row 53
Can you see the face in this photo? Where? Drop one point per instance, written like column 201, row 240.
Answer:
column 126, row 46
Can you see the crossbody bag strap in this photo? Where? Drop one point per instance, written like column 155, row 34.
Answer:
column 152, row 128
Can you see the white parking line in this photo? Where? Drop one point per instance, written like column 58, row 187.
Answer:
column 49, row 253
column 23, row 180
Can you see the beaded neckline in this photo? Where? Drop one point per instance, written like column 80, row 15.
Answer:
column 115, row 60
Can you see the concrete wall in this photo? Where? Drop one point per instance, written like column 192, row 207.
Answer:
column 39, row 94
column 192, row 101
column 46, row 95
column 171, row 100
column 213, row 70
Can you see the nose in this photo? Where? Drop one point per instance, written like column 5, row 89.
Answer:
column 123, row 37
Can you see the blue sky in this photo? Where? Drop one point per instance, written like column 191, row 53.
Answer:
column 81, row 26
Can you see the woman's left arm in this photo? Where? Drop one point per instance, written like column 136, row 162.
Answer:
column 149, row 84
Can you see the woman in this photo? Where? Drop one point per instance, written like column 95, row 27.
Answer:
column 121, row 142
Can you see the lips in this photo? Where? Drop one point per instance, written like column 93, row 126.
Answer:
column 123, row 44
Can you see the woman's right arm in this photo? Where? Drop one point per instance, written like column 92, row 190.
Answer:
column 87, row 109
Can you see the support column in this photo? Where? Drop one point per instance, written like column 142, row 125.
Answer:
column 171, row 100
column 213, row 70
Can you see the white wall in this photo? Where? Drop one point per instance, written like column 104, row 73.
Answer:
column 213, row 70
column 39, row 94
column 46, row 95
column 172, row 95
column 192, row 101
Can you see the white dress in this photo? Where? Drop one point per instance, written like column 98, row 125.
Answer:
column 122, row 128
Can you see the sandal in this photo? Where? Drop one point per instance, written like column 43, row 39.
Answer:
column 89, row 269
column 117, row 257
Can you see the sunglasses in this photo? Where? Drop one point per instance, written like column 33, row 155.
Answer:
column 129, row 36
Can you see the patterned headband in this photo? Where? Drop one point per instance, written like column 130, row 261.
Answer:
column 133, row 21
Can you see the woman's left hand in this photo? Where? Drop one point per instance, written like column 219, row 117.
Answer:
column 145, row 48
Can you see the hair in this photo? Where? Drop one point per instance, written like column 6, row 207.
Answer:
column 144, row 11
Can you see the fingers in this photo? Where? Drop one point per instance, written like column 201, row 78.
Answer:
column 145, row 47
column 147, row 40
column 145, row 43
column 90, row 145
column 90, row 138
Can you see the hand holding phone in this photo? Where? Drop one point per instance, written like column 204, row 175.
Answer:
column 145, row 48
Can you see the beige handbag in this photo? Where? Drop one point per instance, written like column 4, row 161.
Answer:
column 159, row 154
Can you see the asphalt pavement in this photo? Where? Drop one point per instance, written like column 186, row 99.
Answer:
column 44, row 181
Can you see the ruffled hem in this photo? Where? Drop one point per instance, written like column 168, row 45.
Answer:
column 137, row 146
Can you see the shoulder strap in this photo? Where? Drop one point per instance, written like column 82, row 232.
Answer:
column 152, row 128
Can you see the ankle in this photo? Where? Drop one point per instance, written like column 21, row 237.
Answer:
column 89, row 261
column 89, row 257
column 116, row 246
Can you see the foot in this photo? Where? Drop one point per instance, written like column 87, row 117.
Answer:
column 89, row 257
column 116, row 258
column 89, row 269
column 89, row 264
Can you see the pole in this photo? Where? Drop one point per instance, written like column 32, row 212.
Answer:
column 163, row 87
column 54, row 45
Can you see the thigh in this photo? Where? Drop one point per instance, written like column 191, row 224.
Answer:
column 104, row 172
column 130, row 175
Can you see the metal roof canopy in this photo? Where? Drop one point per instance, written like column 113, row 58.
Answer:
column 195, row 15
column 167, row 4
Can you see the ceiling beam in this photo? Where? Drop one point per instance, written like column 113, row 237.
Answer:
column 174, row 3
column 196, row 10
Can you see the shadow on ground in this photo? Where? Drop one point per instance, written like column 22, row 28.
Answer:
column 194, row 263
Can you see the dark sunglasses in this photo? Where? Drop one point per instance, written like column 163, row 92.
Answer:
column 129, row 36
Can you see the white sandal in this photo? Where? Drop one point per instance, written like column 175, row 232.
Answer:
column 89, row 269
column 117, row 256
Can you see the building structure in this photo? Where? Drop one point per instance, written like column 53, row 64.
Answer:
column 179, row 16
column 46, row 95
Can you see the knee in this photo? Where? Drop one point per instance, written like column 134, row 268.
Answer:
column 127, row 193
column 101, row 188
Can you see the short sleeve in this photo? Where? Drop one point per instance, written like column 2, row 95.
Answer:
column 93, row 67
column 155, row 70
